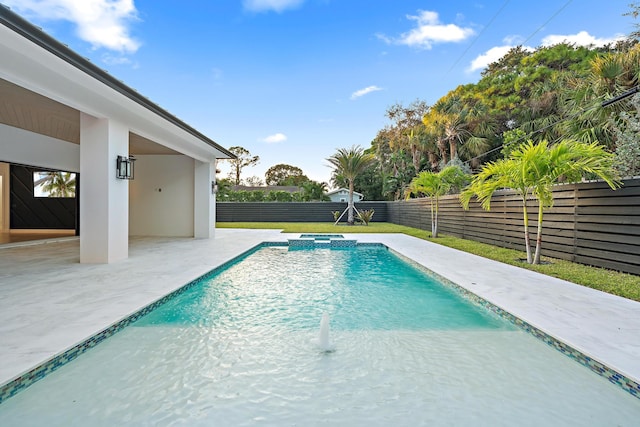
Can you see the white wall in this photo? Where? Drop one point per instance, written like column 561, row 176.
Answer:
column 30, row 148
column 161, row 196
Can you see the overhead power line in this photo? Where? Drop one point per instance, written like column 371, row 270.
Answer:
column 603, row 104
column 547, row 21
column 620, row 97
column 478, row 36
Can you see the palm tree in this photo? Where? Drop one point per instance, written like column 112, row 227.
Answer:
column 611, row 75
column 532, row 170
column 434, row 185
column 434, row 122
column 312, row 190
column 58, row 184
column 349, row 163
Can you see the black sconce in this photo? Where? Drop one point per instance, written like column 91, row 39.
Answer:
column 214, row 187
column 124, row 167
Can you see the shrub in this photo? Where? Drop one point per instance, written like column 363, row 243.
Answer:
column 365, row 216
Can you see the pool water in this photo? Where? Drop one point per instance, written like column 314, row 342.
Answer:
column 238, row 350
column 360, row 289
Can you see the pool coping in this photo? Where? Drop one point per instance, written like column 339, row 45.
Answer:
column 616, row 378
column 14, row 386
column 35, row 374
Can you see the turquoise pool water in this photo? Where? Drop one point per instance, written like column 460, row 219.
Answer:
column 238, row 350
column 363, row 288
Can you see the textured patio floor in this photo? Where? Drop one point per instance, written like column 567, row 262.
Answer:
column 49, row 301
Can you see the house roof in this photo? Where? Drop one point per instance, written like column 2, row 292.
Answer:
column 37, row 36
column 287, row 188
column 337, row 190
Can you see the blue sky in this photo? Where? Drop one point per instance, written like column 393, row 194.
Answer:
column 294, row 80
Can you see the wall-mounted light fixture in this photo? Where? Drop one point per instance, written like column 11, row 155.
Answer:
column 214, row 187
column 124, row 167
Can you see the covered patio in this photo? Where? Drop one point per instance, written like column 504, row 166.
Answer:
column 60, row 112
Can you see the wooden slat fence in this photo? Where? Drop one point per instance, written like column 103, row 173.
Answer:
column 589, row 223
column 291, row 211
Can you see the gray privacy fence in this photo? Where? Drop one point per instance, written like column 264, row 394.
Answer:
column 291, row 211
column 589, row 223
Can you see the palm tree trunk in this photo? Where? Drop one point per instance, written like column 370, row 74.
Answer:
column 442, row 146
column 433, row 218
column 433, row 159
column 434, row 227
column 350, row 206
column 453, row 148
column 526, row 228
column 536, row 258
column 416, row 157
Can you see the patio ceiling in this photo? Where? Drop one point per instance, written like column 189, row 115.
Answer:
column 24, row 109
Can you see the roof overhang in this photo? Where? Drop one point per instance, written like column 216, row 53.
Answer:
column 36, row 61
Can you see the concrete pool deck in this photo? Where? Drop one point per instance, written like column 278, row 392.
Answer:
column 49, row 302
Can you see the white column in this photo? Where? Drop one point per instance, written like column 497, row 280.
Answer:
column 104, row 199
column 204, row 207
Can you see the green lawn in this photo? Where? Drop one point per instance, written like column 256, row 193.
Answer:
column 625, row 285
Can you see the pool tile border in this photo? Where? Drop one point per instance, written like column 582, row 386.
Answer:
column 627, row 384
column 20, row 383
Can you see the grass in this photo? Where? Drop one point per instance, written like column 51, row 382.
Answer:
column 613, row 282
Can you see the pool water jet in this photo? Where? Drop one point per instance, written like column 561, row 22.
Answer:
column 324, row 342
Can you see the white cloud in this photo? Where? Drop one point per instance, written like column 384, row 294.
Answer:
column 267, row 5
column 275, row 138
column 366, row 90
column 103, row 23
column 116, row 60
column 583, row 38
column 495, row 53
column 429, row 31
column 490, row 56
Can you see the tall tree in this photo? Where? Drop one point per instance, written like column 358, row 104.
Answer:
column 283, row 174
column 254, row 181
column 634, row 12
column 349, row 163
column 393, row 167
column 627, row 132
column 610, row 75
column 407, row 131
column 242, row 160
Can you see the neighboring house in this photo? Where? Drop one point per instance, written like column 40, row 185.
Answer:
column 342, row 195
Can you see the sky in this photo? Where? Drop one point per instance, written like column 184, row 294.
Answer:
column 292, row 81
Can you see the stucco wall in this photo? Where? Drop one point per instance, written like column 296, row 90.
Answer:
column 161, row 196
column 28, row 148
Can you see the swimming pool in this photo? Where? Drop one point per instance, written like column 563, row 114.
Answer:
column 237, row 351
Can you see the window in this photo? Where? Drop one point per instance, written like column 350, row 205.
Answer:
column 54, row 184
